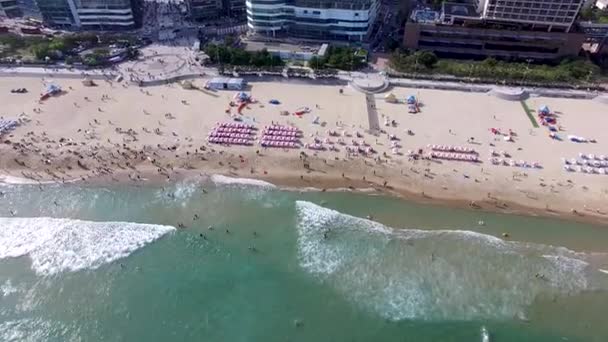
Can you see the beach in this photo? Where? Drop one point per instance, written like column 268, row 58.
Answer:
column 118, row 132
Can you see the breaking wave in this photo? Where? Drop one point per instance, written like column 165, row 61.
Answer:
column 58, row 245
column 224, row 180
column 431, row 275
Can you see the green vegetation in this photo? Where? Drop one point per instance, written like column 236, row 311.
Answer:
column 594, row 14
column 338, row 57
column 66, row 47
column 529, row 113
column 222, row 54
column 12, row 45
column 424, row 62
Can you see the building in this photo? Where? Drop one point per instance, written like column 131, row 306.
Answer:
column 104, row 14
column 313, row 19
column 88, row 14
column 554, row 15
column 10, row 9
column 596, row 37
column 234, row 8
column 204, row 9
column 287, row 51
column 29, row 9
column 57, row 13
column 498, row 29
column 215, row 9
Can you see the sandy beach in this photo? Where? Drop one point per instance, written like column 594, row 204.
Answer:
column 119, row 132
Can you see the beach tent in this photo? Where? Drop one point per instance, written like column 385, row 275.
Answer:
column 274, row 102
column 411, row 99
column 390, row 98
column 544, row 110
column 242, row 97
column 53, row 89
column 187, row 85
column 226, row 83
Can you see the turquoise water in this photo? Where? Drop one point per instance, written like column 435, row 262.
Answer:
column 287, row 266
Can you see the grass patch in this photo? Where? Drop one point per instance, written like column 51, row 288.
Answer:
column 529, row 113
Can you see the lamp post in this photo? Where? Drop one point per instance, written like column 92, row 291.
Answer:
column 529, row 60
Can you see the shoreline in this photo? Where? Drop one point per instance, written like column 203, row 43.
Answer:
column 286, row 181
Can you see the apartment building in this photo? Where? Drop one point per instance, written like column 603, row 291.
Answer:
column 314, row 19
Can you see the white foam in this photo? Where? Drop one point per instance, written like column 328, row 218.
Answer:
column 224, row 180
column 8, row 288
column 57, row 245
column 7, row 179
column 436, row 274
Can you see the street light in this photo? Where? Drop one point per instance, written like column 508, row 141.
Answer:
column 529, row 60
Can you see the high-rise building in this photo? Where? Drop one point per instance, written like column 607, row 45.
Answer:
column 213, row 9
column 29, row 9
column 88, row 14
column 9, row 9
column 204, row 9
column 315, row 19
column 104, row 14
column 58, row 13
column 556, row 15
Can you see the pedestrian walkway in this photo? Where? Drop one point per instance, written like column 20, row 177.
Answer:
column 372, row 114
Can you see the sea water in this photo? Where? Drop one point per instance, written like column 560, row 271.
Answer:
column 91, row 263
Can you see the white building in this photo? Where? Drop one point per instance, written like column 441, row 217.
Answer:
column 104, row 13
column 88, row 14
column 315, row 19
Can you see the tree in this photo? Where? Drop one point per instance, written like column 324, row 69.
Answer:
column 57, row 45
column 41, row 50
column 315, row 63
column 490, row 62
column 587, row 13
column 427, row 58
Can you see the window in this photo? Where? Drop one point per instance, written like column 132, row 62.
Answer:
column 316, row 12
column 356, row 14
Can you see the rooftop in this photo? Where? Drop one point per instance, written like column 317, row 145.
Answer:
column 460, row 10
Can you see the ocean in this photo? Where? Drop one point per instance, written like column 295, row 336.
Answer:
column 256, row 263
